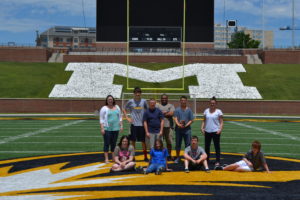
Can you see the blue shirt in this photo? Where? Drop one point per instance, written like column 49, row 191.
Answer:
column 184, row 115
column 153, row 119
column 159, row 156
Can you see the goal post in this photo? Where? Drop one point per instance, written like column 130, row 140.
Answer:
column 173, row 98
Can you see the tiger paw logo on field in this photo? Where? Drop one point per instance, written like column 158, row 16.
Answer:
column 82, row 177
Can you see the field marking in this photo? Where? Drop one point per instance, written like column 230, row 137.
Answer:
column 28, row 134
column 267, row 131
column 240, row 143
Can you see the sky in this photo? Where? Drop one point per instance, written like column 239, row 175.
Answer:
column 19, row 19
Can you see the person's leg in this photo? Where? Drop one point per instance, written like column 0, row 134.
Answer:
column 114, row 138
column 129, row 166
column 216, row 139
column 141, row 136
column 106, row 138
column 187, row 135
column 204, row 162
column 132, row 136
column 178, row 142
column 160, row 168
column 168, row 138
column 208, row 138
column 231, row 167
column 116, row 168
column 186, row 164
column 151, row 168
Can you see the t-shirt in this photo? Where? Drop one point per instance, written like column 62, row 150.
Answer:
column 168, row 108
column 153, row 117
column 257, row 160
column 137, row 109
column 194, row 153
column 124, row 154
column 159, row 156
column 212, row 123
column 113, row 120
column 184, row 115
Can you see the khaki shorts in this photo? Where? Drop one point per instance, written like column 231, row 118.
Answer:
column 151, row 141
column 168, row 135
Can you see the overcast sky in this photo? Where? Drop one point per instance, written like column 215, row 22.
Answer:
column 19, row 19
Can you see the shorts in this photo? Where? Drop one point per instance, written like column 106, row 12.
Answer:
column 137, row 133
column 193, row 166
column 168, row 135
column 243, row 165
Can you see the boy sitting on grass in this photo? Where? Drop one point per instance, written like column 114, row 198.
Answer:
column 253, row 160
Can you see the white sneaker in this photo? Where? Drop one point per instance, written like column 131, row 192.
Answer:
column 177, row 160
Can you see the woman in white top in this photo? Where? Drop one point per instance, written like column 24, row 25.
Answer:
column 111, row 124
column 212, row 127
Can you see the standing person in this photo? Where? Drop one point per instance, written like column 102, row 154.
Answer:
column 137, row 107
column 168, row 112
column 253, row 160
column 111, row 124
column 124, row 156
column 195, row 157
column 153, row 122
column 183, row 117
column 212, row 127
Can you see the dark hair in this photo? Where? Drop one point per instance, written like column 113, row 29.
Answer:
column 137, row 90
column 152, row 99
column 114, row 101
column 256, row 145
column 164, row 95
column 160, row 142
column 213, row 99
column 122, row 138
column 183, row 97
column 195, row 137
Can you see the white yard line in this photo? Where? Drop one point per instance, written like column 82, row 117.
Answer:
column 44, row 130
column 268, row 131
column 240, row 143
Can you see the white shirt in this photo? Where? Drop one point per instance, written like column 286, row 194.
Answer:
column 212, row 122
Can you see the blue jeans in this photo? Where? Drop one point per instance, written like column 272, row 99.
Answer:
column 110, row 139
column 186, row 134
column 154, row 167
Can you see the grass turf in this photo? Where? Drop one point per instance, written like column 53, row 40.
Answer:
column 53, row 137
column 36, row 80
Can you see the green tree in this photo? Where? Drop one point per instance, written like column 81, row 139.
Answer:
column 242, row 40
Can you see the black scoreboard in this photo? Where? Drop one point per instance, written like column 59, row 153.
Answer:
column 155, row 22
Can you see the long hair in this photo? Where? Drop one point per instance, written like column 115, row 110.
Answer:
column 114, row 101
column 161, row 144
column 256, row 145
column 122, row 138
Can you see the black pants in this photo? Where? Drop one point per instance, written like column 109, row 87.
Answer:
column 216, row 139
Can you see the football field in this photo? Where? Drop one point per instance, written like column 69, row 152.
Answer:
column 24, row 137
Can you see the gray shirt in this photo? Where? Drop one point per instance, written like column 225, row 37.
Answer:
column 194, row 153
column 184, row 116
column 257, row 160
column 168, row 108
column 137, row 109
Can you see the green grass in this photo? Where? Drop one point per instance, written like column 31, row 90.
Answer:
column 36, row 80
column 274, row 81
column 30, row 80
column 85, row 137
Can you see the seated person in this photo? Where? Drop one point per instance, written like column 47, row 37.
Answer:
column 124, row 156
column 195, row 157
column 158, row 160
column 253, row 160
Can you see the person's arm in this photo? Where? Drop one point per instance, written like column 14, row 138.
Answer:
column 120, row 118
column 146, row 129
column 192, row 119
column 248, row 162
column 102, row 119
column 189, row 158
column 162, row 122
column 221, row 124
column 202, row 158
column 126, row 116
column 203, row 125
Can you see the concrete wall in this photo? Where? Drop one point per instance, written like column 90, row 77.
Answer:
column 22, row 54
column 89, row 106
column 162, row 59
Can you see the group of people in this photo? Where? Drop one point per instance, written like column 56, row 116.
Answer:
column 153, row 123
